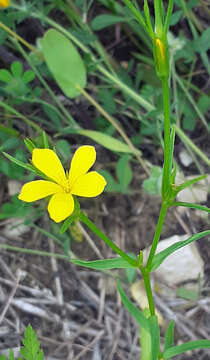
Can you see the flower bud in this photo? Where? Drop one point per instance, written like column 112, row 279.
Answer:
column 160, row 50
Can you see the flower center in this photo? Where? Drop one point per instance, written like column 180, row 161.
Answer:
column 66, row 186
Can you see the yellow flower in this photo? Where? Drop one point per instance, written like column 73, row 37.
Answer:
column 4, row 3
column 78, row 181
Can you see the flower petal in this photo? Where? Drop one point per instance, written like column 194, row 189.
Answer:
column 89, row 185
column 84, row 157
column 61, row 206
column 38, row 189
column 47, row 162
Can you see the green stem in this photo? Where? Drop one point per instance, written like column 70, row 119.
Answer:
column 156, row 238
column 19, row 115
column 103, row 237
column 148, row 289
column 167, row 125
column 33, row 252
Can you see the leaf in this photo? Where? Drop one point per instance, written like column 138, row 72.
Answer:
column 63, row 148
column 67, row 223
column 191, row 206
column 28, row 76
column 10, row 143
column 145, row 339
column 105, row 140
column 124, row 172
column 155, row 336
column 102, row 21
column 112, row 185
column 16, row 69
column 133, row 310
column 64, row 62
column 20, row 163
column 175, row 17
column 189, row 183
column 115, row 263
column 187, row 294
column 15, row 208
column 169, row 336
column 153, row 184
column 161, row 256
column 106, row 97
column 11, row 355
column 30, row 350
column 202, row 44
column 131, row 274
column 5, row 76
column 180, row 349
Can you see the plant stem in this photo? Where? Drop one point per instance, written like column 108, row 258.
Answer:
column 19, row 115
column 105, row 238
column 166, row 112
column 33, row 252
column 24, row 42
column 158, row 230
column 148, row 289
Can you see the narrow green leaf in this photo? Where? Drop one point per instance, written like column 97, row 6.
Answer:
column 65, row 62
column 133, row 310
column 105, row 140
column 112, row 184
column 11, row 355
column 67, row 223
column 148, row 19
column 158, row 18
column 161, row 256
column 189, row 183
column 155, row 336
column 124, row 172
column 29, row 144
column 169, row 336
column 168, row 16
column 18, row 162
column 102, row 21
column 187, row 294
column 136, row 13
column 145, row 339
column 172, row 140
column 191, row 345
column 115, row 263
column 191, row 206
column 45, row 140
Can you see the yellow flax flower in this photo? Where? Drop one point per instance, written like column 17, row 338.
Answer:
column 78, row 181
column 4, row 3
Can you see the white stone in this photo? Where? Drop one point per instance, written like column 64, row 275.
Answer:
column 197, row 193
column 184, row 264
column 185, row 158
